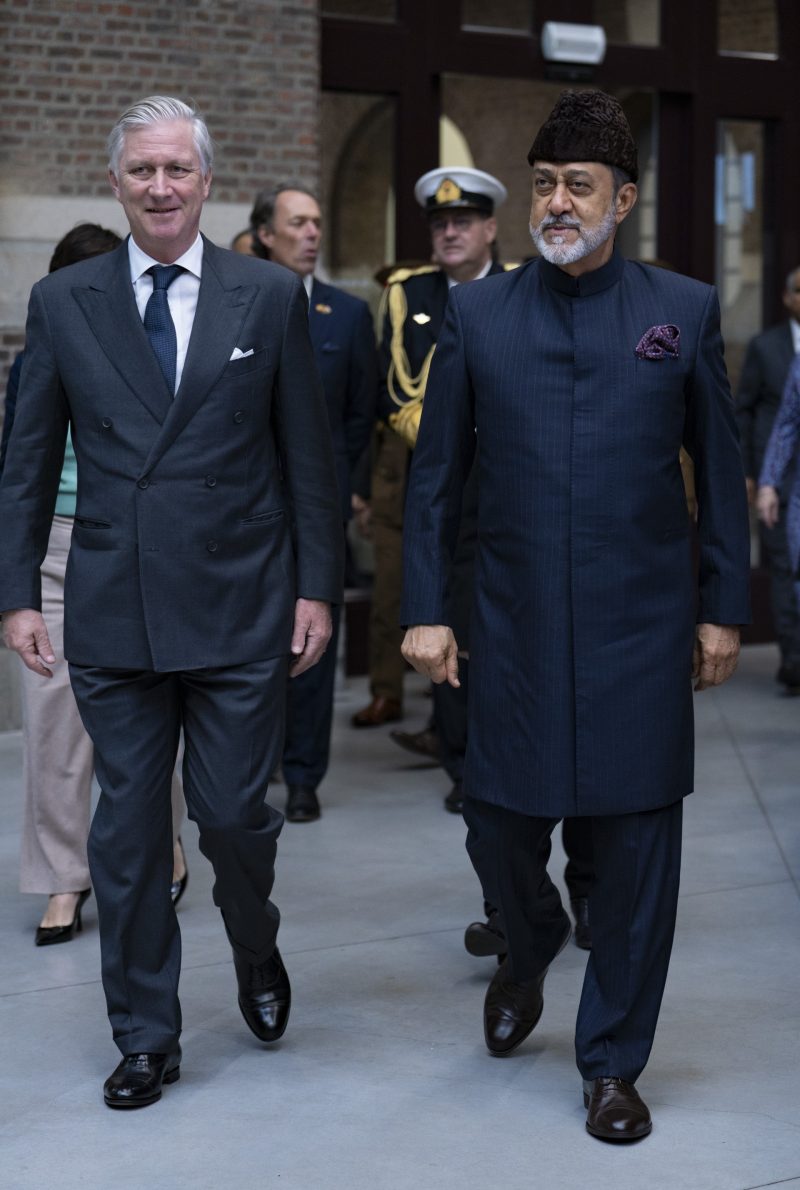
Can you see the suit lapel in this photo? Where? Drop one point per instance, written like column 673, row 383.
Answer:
column 222, row 306
column 110, row 310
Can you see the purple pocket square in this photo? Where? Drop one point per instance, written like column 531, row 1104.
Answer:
column 658, row 342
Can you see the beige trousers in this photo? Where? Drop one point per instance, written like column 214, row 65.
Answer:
column 58, row 759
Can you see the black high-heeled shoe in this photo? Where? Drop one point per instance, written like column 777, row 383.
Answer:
column 178, row 887
column 49, row 935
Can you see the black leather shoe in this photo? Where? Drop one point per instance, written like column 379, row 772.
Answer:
column 485, row 938
column 580, row 911
column 616, row 1112
column 50, row 935
column 454, row 802
column 138, row 1079
column 178, row 887
column 265, row 996
column 512, row 1010
column 302, row 804
column 421, row 743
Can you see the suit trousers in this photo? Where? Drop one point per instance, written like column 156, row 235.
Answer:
column 233, row 726
column 632, row 908
column 57, row 754
column 309, row 715
column 389, row 473
column 783, row 591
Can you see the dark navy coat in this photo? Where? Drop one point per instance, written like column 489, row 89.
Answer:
column 343, row 339
column 585, row 601
column 199, row 519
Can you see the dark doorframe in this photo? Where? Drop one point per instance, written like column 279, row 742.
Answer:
column 695, row 85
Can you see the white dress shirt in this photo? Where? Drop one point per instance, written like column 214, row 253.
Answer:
column 181, row 296
column 795, row 325
column 483, row 273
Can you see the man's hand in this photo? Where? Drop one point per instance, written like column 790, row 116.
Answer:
column 362, row 515
column 751, row 487
column 767, row 506
column 716, row 652
column 432, row 650
column 25, row 632
column 311, row 633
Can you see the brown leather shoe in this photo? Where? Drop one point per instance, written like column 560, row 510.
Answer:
column 379, row 711
column 511, row 1010
column 616, row 1112
column 421, row 743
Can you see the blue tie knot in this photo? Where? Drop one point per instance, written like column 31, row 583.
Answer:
column 164, row 274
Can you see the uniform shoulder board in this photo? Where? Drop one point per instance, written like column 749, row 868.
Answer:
column 404, row 274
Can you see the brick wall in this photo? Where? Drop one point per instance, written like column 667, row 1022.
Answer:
column 69, row 67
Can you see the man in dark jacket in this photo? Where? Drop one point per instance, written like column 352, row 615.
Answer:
column 205, row 555
column 766, row 365
column 287, row 223
column 583, row 635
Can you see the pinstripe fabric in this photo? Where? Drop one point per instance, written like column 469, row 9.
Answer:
column 584, row 599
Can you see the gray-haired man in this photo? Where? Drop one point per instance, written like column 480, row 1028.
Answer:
column 201, row 566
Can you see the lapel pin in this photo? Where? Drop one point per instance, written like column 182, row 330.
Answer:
column 322, row 308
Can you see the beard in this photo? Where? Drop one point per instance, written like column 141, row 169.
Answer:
column 589, row 238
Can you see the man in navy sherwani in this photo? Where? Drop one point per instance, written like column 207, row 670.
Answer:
column 574, row 381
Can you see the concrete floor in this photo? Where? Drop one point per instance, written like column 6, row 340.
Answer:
column 382, row 1081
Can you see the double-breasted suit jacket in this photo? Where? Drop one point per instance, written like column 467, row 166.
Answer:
column 343, row 339
column 200, row 518
column 584, row 599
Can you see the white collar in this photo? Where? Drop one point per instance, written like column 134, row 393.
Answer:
column 484, row 271
column 140, row 262
column 308, row 282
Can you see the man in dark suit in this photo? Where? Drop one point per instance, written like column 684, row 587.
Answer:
column 205, row 555
column 764, row 372
column 552, row 379
column 287, row 222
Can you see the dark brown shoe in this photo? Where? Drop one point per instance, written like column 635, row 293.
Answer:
column 511, row 1010
column 580, row 911
column 421, row 743
column 379, row 711
column 484, row 939
column 616, row 1112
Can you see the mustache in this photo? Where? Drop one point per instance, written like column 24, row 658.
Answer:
column 553, row 221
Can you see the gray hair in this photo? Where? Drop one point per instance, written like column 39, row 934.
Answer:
column 263, row 211
column 156, row 109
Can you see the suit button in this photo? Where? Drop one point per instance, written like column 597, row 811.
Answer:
column 143, row 483
column 238, row 417
column 212, row 547
column 211, row 481
column 107, row 423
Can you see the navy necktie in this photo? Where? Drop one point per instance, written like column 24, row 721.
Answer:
column 158, row 320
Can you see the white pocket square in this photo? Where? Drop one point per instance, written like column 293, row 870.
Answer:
column 237, row 353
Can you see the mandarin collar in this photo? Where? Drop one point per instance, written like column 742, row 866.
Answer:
column 588, row 283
